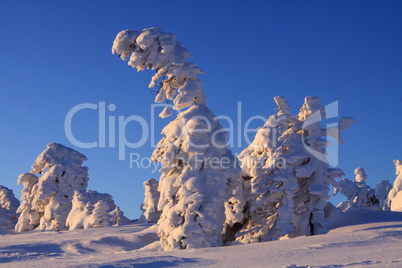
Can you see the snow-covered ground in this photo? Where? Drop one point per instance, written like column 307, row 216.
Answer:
column 358, row 239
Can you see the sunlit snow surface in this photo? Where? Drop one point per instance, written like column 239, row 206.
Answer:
column 358, row 239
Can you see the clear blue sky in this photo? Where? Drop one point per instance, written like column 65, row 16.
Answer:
column 57, row 54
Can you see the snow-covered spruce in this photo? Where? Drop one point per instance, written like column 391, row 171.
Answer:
column 49, row 199
column 394, row 201
column 263, row 192
column 117, row 217
column 149, row 207
column 200, row 188
column 8, row 209
column 8, row 201
column 381, row 193
column 200, row 182
column 290, row 198
column 358, row 193
column 29, row 218
column 153, row 49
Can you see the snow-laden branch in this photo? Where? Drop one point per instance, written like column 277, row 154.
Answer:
column 153, row 49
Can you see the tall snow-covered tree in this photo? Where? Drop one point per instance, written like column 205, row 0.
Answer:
column 394, row 201
column 50, row 198
column 200, row 196
column 290, row 198
column 265, row 193
column 313, row 173
column 149, row 207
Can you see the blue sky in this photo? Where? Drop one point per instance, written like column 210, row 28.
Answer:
column 57, row 54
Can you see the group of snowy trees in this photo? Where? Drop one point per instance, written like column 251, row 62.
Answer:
column 277, row 188
column 280, row 187
column 58, row 198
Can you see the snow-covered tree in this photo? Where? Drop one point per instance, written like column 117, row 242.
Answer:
column 51, row 196
column 361, row 175
column 78, row 218
column 257, row 158
column 200, row 188
column 9, row 202
column 100, row 217
column 29, row 218
column 381, row 193
column 313, row 173
column 149, row 206
column 265, row 193
column 118, row 217
column 394, row 201
column 83, row 208
column 290, row 198
column 358, row 193
column 8, row 209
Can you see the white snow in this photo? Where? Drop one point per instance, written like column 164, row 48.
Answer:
column 358, row 239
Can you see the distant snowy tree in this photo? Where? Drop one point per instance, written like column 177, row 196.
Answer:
column 394, row 201
column 149, row 206
column 359, row 194
column 29, row 218
column 9, row 202
column 118, row 217
column 83, row 208
column 381, row 193
column 361, row 175
column 290, row 198
column 8, row 209
column 99, row 217
column 78, row 217
column 200, row 197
